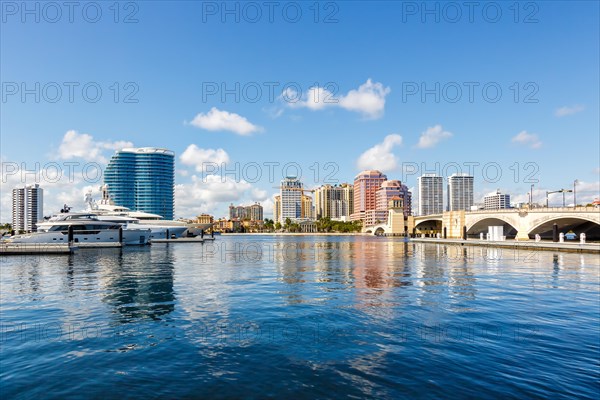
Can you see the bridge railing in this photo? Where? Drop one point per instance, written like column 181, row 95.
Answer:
column 538, row 209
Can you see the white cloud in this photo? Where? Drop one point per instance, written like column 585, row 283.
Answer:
column 213, row 193
column 527, row 139
column 569, row 110
column 368, row 99
column 268, row 207
column 83, row 145
column 66, row 186
column 273, row 112
column 586, row 192
column 217, row 120
column 432, row 136
column 62, row 184
column 259, row 194
column 317, row 98
column 199, row 158
column 380, row 156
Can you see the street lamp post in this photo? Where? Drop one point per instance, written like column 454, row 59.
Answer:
column 575, row 182
column 563, row 191
column 531, row 196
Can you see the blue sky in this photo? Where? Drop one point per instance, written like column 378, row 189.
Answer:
column 374, row 57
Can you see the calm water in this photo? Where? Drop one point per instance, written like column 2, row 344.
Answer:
column 300, row 317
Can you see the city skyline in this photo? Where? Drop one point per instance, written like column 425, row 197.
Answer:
column 404, row 114
column 440, row 196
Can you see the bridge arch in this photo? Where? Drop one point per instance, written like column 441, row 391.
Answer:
column 578, row 224
column 480, row 225
column 379, row 231
column 429, row 226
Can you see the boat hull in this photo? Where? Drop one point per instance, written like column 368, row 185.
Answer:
column 130, row 237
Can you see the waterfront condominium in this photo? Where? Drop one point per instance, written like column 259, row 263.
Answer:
column 394, row 188
column 249, row 213
column 27, row 208
column 290, row 203
column 307, row 210
column 460, row 192
column 366, row 184
column 142, row 179
column 431, row 195
column 497, row 201
column 334, row 202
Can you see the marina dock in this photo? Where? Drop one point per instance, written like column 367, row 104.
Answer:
column 183, row 240
column 36, row 248
column 98, row 245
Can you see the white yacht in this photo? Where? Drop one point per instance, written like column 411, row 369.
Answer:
column 132, row 234
column 160, row 228
column 84, row 232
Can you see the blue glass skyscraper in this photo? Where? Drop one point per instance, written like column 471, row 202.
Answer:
column 142, row 179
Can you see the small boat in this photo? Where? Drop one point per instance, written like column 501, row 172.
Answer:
column 570, row 235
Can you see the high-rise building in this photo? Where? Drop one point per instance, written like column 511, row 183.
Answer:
column 27, row 208
column 460, row 192
column 277, row 208
column 496, row 201
column 393, row 188
column 334, row 201
column 307, row 209
column 255, row 212
column 291, row 199
column 247, row 213
column 431, row 194
column 366, row 185
column 142, row 179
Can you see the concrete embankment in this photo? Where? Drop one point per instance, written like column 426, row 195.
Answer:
column 574, row 247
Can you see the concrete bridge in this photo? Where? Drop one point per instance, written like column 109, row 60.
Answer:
column 520, row 224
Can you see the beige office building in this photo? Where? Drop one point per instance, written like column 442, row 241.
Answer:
column 334, row 201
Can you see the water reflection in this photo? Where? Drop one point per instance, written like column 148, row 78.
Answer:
column 140, row 285
column 376, row 317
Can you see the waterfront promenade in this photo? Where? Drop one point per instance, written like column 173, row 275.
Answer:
column 572, row 247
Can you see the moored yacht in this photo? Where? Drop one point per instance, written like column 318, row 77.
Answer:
column 159, row 227
column 82, row 233
column 86, row 224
